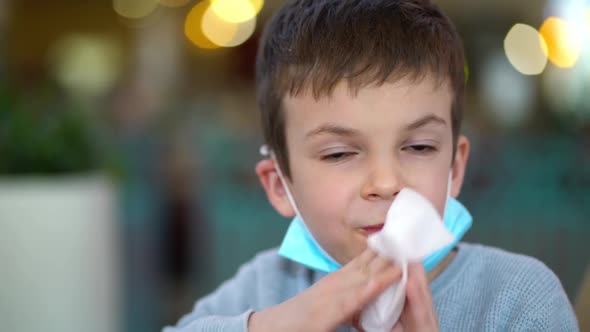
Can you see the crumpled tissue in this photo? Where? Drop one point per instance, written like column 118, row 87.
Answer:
column 413, row 230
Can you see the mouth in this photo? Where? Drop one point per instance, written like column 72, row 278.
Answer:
column 372, row 229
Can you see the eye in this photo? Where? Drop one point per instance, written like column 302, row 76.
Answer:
column 420, row 148
column 337, row 156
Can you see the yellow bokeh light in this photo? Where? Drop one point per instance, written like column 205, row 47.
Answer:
column 86, row 65
column 526, row 49
column 134, row 9
column 258, row 4
column 563, row 43
column 234, row 11
column 174, row 3
column 224, row 33
column 192, row 26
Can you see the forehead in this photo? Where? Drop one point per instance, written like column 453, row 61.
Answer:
column 390, row 103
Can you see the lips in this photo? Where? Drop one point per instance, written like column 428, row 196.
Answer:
column 373, row 228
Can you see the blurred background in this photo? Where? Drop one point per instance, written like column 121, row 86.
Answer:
column 129, row 134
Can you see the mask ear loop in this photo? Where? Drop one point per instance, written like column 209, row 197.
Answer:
column 264, row 151
column 448, row 197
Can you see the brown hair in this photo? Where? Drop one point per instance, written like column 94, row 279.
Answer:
column 315, row 44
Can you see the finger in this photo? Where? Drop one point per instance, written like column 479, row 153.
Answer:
column 377, row 283
column 379, row 264
column 364, row 259
column 370, row 287
column 344, row 293
column 398, row 327
column 353, row 282
column 360, row 264
column 419, row 312
column 420, row 286
column 356, row 322
column 388, row 274
column 354, row 290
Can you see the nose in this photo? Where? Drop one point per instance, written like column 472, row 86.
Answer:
column 383, row 181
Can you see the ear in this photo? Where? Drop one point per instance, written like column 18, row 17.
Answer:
column 459, row 165
column 273, row 186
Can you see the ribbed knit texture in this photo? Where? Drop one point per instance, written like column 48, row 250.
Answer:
column 483, row 289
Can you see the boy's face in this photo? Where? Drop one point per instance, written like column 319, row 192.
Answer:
column 350, row 155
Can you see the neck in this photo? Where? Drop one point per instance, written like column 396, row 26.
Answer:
column 442, row 265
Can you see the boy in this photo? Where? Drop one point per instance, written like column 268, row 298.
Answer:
column 360, row 99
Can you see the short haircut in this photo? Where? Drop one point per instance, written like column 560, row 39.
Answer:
column 315, row 44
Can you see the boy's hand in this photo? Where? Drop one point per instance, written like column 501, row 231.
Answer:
column 336, row 299
column 418, row 313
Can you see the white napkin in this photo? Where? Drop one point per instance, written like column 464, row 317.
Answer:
column 413, row 230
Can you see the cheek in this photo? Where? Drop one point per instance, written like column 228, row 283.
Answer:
column 324, row 198
column 439, row 203
column 434, row 189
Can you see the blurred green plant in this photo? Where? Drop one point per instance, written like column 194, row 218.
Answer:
column 41, row 133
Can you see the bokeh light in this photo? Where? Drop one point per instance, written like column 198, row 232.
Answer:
column 174, row 3
column 234, row 11
column 509, row 95
column 134, row 9
column 567, row 93
column 258, row 4
column 224, row 33
column 192, row 26
column 526, row 49
column 86, row 66
column 561, row 89
column 566, row 90
column 563, row 42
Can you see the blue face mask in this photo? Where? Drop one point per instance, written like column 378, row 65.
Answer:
column 300, row 246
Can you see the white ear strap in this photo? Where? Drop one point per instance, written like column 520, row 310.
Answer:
column 449, row 183
column 287, row 191
column 264, row 151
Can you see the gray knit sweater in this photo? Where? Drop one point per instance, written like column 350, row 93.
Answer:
column 483, row 289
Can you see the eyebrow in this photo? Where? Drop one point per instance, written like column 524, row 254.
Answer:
column 333, row 129
column 426, row 120
column 337, row 130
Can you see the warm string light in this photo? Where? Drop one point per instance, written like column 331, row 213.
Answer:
column 222, row 23
column 224, row 33
column 526, row 49
column 560, row 40
column 209, row 24
column 563, row 42
column 174, row 3
column 234, row 11
column 134, row 9
column 192, row 26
